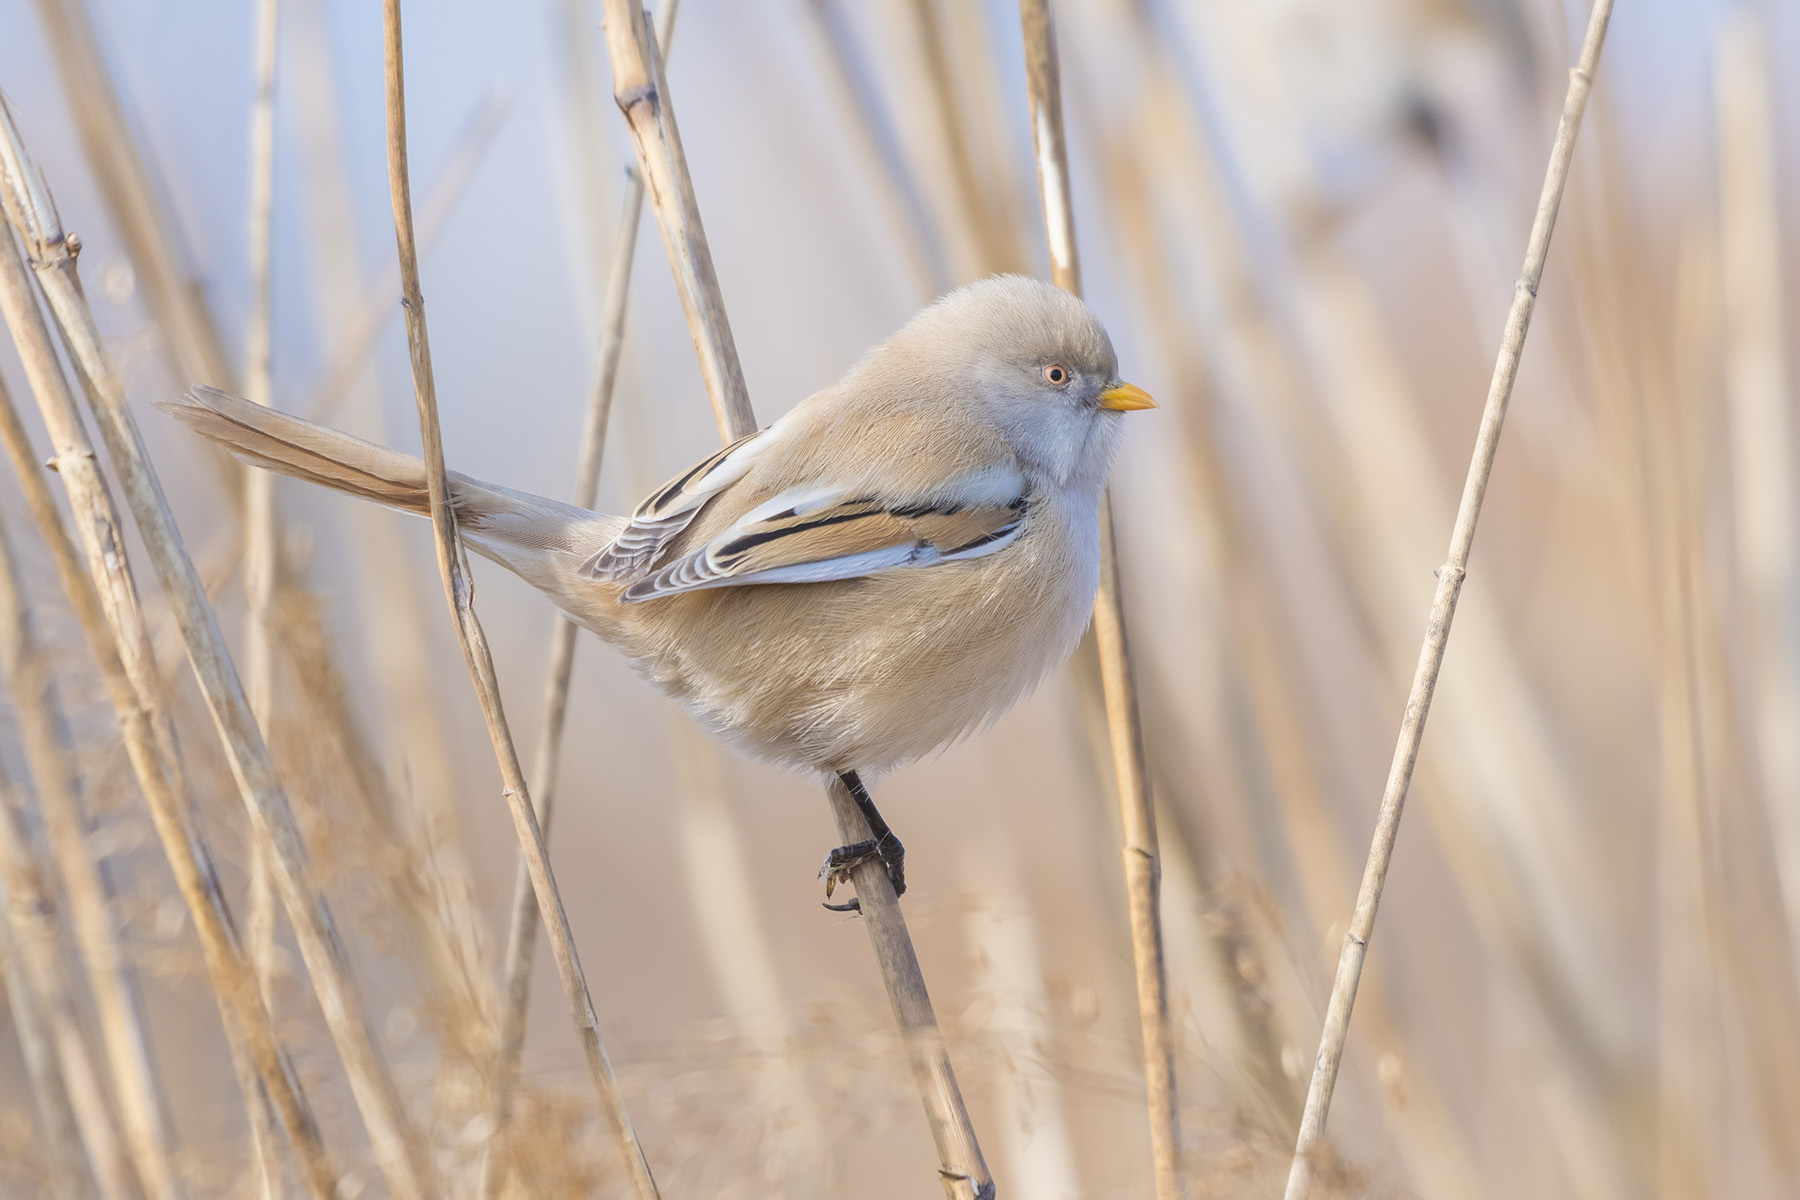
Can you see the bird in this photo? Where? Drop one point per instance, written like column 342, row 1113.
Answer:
column 884, row 570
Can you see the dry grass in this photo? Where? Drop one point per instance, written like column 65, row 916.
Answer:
column 1301, row 224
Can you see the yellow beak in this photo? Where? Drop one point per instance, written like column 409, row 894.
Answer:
column 1125, row 397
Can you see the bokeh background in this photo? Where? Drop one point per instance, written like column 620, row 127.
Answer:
column 1301, row 222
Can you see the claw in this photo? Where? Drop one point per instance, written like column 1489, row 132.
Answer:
column 840, row 862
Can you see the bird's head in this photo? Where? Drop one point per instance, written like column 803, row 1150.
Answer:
column 1034, row 363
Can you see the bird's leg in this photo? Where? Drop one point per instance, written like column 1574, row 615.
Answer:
column 882, row 844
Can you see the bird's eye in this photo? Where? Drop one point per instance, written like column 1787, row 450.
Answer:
column 1056, row 375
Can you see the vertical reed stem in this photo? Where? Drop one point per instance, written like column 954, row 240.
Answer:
column 1443, row 611
column 642, row 94
column 522, row 928
column 43, row 734
column 1143, row 865
column 30, row 208
column 70, row 1177
column 460, row 593
column 261, row 531
column 30, row 911
column 105, row 601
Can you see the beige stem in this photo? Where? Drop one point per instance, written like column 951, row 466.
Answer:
column 1143, row 868
column 642, row 94
column 521, row 939
column 53, row 255
column 460, row 593
column 43, row 732
column 1443, row 611
column 261, row 531
column 105, row 600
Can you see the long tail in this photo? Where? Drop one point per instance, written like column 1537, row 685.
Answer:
column 530, row 534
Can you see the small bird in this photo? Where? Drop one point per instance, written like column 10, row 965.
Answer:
column 888, row 567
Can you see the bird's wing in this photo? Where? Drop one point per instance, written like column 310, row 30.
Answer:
column 671, row 508
column 813, row 534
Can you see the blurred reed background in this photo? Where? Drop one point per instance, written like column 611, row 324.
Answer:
column 1301, row 222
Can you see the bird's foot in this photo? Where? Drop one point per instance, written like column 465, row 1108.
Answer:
column 845, row 859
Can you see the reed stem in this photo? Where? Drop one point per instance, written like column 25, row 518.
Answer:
column 642, row 95
column 1443, row 611
column 460, row 593
column 43, row 734
column 53, row 261
column 522, row 927
column 31, row 914
column 261, row 534
column 1143, row 863
column 104, row 597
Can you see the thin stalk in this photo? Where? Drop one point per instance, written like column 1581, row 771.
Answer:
column 1443, row 611
column 459, row 592
column 521, row 939
column 261, row 534
column 30, row 910
column 642, row 94
column 433, row 883
column 259, row 510
column 397, row 1147
column 1286, row 728
column 104, row 597
column 1143, row 865
column 70, row 1176
column 963, row 1170
column 190, row 338
column 43, row 734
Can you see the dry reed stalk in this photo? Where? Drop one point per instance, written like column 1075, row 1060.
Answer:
column 190, row 336
column 70, row 1176
column 43, row 732
column 1367, row 518
column 1762, row 455
column 642, row 94
column 31, row 912
column 261, row 534
column 1368, row 514
column 1443, row 611
column 397, row 1147
column 1143, row 869
column 195, row 350
column 437, row 892
column 963, row 1171
column 876, row 125
column 459, row 593
column 260, row 529
column 522, row 927
column 105, row 601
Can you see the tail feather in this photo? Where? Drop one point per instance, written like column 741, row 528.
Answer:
column 514, row 528
column 289, row 445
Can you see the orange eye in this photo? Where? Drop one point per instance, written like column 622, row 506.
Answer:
column 1056, row 375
